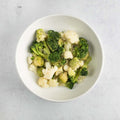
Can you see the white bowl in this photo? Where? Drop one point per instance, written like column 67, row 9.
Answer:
column 59, row 23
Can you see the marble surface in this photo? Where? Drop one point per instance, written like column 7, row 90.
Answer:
column 101, row 103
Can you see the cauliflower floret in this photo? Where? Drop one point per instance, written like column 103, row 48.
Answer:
column 71, row 72
column 81, row 63
column 43, row 82
column 53, row 82
column 75, row 63
column 47, row 65
column 33, row 68
column 40, row 35
column 29, row 60
column 71, row 36
column 66, row 68
column 68, row 55
column 60, row 70
column 62, row 35
column 49, row 72
column 68, row 46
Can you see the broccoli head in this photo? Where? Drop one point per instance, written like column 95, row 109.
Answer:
column 83, row 71
column 52, row 40
column 40, row 35
column 81, row 50
column 55, row 56
column 40, row 49
column 71, row 81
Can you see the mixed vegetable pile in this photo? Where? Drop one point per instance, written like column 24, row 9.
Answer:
column 59, row 58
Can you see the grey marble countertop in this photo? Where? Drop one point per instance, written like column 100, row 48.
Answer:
column 101, row 103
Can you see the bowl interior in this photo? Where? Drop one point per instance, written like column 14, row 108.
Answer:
column 58, row 23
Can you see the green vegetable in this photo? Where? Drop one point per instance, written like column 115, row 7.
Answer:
column 52, row 40
column 74, row 63
column 69, row 85
column 83, row 71
column 39, row 71
column 40, row 49
column 55, row 56
column 38, row 61
column 71, row 81
column 81, row 50
column 63, row 77
column 40, row 35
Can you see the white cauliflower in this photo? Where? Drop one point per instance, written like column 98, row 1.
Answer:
column 42, row 82
column 49, row 72
column 71, row 36
column 32, row 68
column 53, row 82
column 47, row 65
column 71, row 72
column 66, row 68
column 60, row 70
column 68, row 46
column 68, row 55
column 62, row 35
column 29, row 60
column 81, row 63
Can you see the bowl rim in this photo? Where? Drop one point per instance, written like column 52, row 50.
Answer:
column 102, row 61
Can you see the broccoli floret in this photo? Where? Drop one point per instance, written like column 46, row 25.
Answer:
column 40, row 35
column 55, row 56
column 40, row 49
column 69, row 85
column 83, row 71
column 81, row 50
column 71, row 81
column 52, row 40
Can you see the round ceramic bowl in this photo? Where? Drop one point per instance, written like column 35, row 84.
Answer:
column 59, row 23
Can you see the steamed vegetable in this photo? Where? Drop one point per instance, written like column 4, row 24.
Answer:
column 81, row 50
column 83, row 71
column 40, row 49
column 38, row 61
column 55, row 56
column 52, row 40
column 40, row 35
column 59, row 59
column 63, row 77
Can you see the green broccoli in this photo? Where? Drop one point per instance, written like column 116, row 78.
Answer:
column 52, row 40
column 81, row 50
column 40, row 35
column 71, row 81
column 83, row 71
column 40, row 49
column 55, row 56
